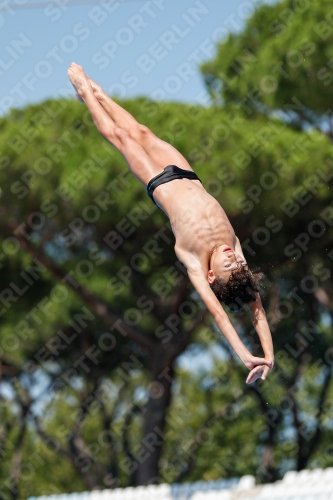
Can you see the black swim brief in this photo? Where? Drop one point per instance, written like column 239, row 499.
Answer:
column 170, row 173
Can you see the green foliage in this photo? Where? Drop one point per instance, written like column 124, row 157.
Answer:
column 282, row 59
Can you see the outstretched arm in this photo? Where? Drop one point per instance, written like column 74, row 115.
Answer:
column 260, row 323
column 200, row 283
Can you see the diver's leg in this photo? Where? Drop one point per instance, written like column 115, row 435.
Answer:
column 119, row 115
column 158, row 150
column 141, row 165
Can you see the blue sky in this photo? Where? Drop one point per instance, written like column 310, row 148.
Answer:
column 130, row 47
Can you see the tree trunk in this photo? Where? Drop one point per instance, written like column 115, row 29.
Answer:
column 154, row 418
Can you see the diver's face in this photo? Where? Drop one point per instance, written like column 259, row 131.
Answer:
column 223, row 261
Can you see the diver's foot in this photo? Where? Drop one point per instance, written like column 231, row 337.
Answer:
column 79, row 80
column 77, row 95
column 98, row 91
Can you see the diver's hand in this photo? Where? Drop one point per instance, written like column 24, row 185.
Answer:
column 252, row 361
column 259, row 371
column 259, row 368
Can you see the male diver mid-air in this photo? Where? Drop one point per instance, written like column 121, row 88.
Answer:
column 205, row 240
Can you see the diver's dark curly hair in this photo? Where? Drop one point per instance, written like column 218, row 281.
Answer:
column 241, row 287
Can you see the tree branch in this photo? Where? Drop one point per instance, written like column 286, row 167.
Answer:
column 125, row 439
column 16, row 460
column 316, row 437
column 198, row 442
column 77, row 444
column 96, row 304
column 4, row 431
column 49, row 440
column 8, row 369
column 112, row 455
column 70, row 455
column 270, row 471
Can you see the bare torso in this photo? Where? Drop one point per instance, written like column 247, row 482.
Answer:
column 198, row 221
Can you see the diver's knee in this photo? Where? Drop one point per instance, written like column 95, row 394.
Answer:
column 144, row 133
column 121, row 134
